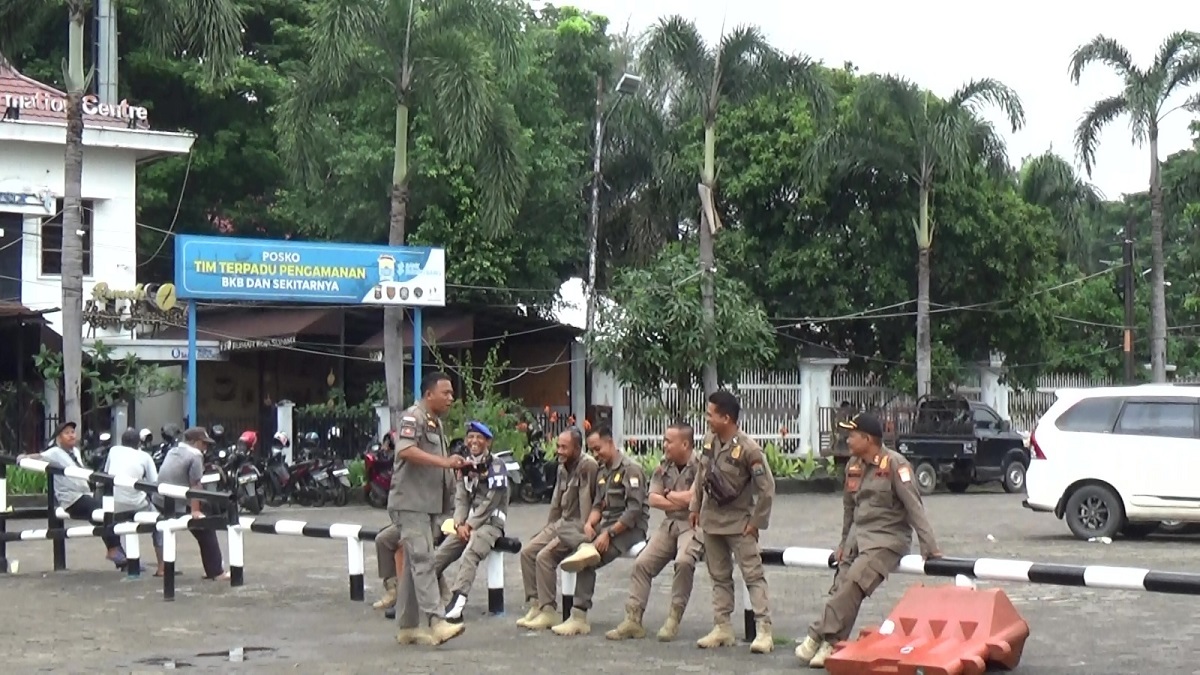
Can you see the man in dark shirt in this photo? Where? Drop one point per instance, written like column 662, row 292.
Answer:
column 184, row 465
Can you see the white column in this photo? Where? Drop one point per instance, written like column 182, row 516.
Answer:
column 816, row 380
column 283, row 422
column 579, row 382
column 385, row 420
column 120, row 419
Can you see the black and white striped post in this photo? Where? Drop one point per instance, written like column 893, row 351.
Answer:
column 354, row 535
column 568, row 581
column 4, row 568
column 1003, row 570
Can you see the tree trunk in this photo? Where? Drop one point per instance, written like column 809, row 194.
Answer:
column 1158, row 295
column 707, row 261
column 393, row 317
column 924, row 341
column 72, row 243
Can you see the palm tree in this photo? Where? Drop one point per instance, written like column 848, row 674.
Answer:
column 443, row 56
column 1049, row 181
column 928, row 140
column 1146, row 97
column 691, row 75
column 207, row 30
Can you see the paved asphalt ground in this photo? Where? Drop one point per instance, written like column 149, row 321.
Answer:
column 294, row 614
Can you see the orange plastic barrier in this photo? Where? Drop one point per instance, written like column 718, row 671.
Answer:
column 938, row 630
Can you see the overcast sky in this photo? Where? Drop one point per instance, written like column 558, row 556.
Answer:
column 941, row 44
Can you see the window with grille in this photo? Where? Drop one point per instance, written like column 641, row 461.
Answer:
column 52, row 240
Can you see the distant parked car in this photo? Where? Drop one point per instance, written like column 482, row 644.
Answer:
column 1118, row 460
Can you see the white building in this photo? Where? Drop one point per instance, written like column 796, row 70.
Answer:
column 117, row 139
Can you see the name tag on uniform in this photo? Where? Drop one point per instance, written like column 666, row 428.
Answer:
column 633, row 483
column 853, row 483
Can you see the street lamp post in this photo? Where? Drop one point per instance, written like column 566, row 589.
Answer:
column 626, row 86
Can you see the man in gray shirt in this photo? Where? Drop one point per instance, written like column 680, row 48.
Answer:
column 74, row 494
column 184, row 465
column 126, row 460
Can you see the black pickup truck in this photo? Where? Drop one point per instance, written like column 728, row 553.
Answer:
column 963, row 443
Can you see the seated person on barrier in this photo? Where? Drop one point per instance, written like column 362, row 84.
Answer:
column 882, row 510
column 569, row 508
column 184, row 465
column 387, row 552
column 480, row 510
column 74, row 495
column 128, row 461
column 618, row 521
column 731, row 504
column 671, row 491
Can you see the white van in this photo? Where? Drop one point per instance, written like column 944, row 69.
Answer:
column 1117, row 460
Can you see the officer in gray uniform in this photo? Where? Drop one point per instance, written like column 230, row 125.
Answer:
column 421, row 487
column 480, row 509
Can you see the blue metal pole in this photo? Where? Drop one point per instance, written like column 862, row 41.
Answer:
column 191, row 368
column 418, row 348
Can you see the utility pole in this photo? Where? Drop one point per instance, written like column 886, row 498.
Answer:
column 1127, row 261
column 105, row 82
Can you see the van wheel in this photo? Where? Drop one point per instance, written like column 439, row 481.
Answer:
column 1014, row 476
column 1094, row 511
column 926, row 477
column 1138, row 530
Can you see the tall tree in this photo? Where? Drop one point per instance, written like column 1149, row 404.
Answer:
column 1147, row 97
column 696, row 76
column 927, row 141
column 208, row 31
column 444, row 57
column 1049, row 181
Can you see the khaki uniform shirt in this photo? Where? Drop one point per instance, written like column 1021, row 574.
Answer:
column 670, row 477
column 621, row 496
column 741, row 462
column 482, row 499
column 572, row 499
column 884, row 507
column 424, row 489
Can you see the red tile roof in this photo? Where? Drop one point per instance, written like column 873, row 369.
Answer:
column 37, row 102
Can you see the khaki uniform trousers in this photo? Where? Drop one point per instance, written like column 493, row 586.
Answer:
column 857, row 577
column 569, row 539
column 542, row 552
column 676, row 541
column 417, row 595
column 470, row 553
column 720, row 552
column 387, row 542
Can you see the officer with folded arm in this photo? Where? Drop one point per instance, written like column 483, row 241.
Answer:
column 882, row 510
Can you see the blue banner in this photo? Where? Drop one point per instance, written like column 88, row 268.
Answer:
column 231, row 268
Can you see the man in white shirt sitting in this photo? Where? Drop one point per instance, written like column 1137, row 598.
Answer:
column 127, row 460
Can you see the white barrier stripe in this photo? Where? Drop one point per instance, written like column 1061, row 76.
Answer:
column 795, row 556
column 33, row 534
column 77, row 472
column 61, row 513
column 355, row 561
column 495, row 570
column 1121, row 578
column 912, row 564
column 635, row 549
column 108, row 504
column 81, row 531
column 38, row 465
column 290, row 527
column 344, row 530
column 146, row 517
column 996, row 569
column 235, row 545
column 246, row 521
column 125, row 481
column 174, row 491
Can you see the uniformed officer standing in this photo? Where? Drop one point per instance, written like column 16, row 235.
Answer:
column 670, row 490
column 618, row 521
column 731, row 514
column 480, row 510
column 882, row 509
column 569, row 509
column 420, row 484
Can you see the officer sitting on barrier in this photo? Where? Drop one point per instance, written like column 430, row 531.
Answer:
column 480, row 510
column 128, row 461
column 74, row 494
column 883, row 507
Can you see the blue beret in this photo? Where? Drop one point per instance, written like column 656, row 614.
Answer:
column 481, row 428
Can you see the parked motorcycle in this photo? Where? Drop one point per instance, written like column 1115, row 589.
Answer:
column 95, row 451
column 377, row 474
column 242, row 474
column 539, row 473
column 170, row 438
column 290, row 483
column 329, row 472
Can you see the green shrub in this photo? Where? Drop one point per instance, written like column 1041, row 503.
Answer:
column 358, row 472
column 23, row 482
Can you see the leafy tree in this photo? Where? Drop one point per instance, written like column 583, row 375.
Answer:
column 927, row 140
column 1049, row 181
column 208, row 31
column 1146, row 97
column 654, row 329
column 442, row 57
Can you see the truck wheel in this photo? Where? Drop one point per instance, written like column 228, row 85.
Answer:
column 1014, row 476
column 926, row 477
column 1094, row 511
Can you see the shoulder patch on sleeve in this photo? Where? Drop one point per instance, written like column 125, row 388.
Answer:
column 905, row 474
column 758, row 469
column 408, row 426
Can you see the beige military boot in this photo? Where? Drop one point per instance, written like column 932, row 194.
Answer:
column 408, row 636
column 808, row 649
column 823, row 652
column 547, row 617
column 442, row 631
column 576, row 625
column 720, row 636
column 763, row 642
column 670, row 629
column 584, row 557
column 530, row 615
column 629, row 629
column 388, row 599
